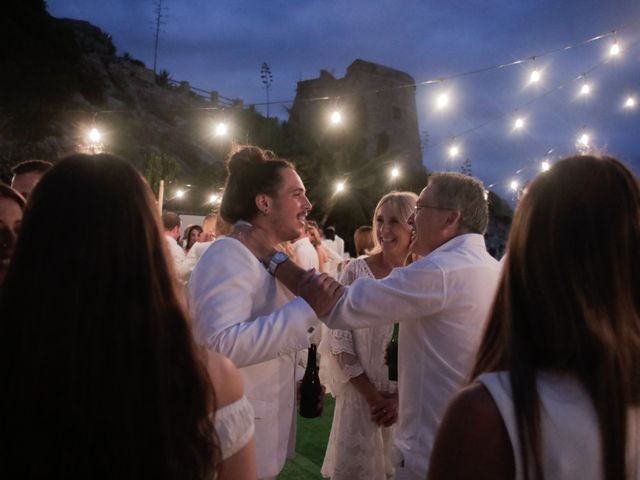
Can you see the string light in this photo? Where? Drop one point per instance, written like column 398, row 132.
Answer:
column 545, row 166
column 630, row 102
column 615, row 49
column 94, row 135
column 584, row 139
column 340, row 187
column 179, row 193
column 514, row 185
column 395, row 172
column 442, row 101
column 221, row 129
column 213, row 198
column 336, row 118
column 585, row 89
column 518, row 124
column 454, row 151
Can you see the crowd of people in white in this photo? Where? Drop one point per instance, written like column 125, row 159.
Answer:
column 131, row 351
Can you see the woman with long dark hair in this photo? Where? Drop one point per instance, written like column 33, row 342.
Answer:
column 556, row 384
column 11, row 207
column 99, row 372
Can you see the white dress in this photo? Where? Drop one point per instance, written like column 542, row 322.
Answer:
column 358, row 448
column 234, row 426
column 569, row 426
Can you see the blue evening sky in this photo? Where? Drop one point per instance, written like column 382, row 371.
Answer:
column 220, row 45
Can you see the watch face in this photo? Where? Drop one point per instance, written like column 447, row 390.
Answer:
column 279, row 257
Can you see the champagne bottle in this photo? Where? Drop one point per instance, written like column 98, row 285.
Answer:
column 310, row 388
column 392, row 355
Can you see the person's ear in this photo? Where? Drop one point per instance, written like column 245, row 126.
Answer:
column 264, row 203
column 452, row 218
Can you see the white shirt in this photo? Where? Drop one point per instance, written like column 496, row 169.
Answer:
column 306, row 255
column 441, row 302
column 339, row 246
column 179, row 259
column 241, row 311
column 571, row 447
column 197, row 249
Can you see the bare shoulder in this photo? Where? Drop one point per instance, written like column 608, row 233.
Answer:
column 225, row 378
column 472, row 441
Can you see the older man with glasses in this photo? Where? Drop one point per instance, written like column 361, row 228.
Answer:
column 442, row 299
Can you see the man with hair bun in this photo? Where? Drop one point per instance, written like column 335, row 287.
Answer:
column 441, row 302
column 240, row 310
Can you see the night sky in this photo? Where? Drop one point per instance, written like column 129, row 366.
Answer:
column 220, row 45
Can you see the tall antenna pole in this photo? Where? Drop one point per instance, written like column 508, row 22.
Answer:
column 267, row 80
column 160, row 15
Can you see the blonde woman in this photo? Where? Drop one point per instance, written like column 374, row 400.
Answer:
column 354, row 366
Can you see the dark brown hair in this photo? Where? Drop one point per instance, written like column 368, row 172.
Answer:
column 97, row 362
column 29, row 166
column 7, row 192
column 251, row 172
column 569, row 301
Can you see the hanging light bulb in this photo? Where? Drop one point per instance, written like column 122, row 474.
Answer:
column 213, row 198
column 630, row 102
column 179, row 193
column 442, row 101
column 535, row 76
column 545, row 166
column 221, row 129
column 514, row 185
column 340, row 187
column 585, row 89
column 395, row 172
column 584, row 140
column 518, row 124
column 94, row 135
column 615, row 49
column 336, row 118
column 454, row 151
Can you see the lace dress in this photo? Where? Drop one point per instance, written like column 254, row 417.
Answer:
column 358, row 448
column 234, row 426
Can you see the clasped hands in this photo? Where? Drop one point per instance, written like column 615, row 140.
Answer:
column 384, row 412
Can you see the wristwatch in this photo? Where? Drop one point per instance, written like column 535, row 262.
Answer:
column 276, row 259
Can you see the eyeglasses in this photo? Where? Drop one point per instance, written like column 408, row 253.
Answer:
column 424, row 205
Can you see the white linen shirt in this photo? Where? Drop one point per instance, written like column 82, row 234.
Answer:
column 442, row 302
column 306, row 255
column 179, row 258
column 241, row 311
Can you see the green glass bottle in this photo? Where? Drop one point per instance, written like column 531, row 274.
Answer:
column 392, row 354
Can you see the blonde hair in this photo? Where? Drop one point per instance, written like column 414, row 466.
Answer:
column 402, row 205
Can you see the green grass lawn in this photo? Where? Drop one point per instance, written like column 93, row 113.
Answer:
column 311, row 442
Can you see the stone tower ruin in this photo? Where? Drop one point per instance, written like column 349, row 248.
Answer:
column 378, row 100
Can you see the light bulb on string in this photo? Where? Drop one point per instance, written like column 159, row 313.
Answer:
column 583, row 140
column 614, row 51
column 179, row 193
column 513, row 185
column 585, row 89
column 454, row 151
column 630, row 102
column 213, row 198
column 442, row 101
column 340, row 186
column 535, row 76
column 545, row 166
column 94, row 135
column 336, row 118
column 395, row 172
column 221, row 129
column 518, row 124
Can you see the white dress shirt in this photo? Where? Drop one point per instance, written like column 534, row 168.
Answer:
column 442, row 302
column 306, row 255
column 241, row 311
column 179, row 258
